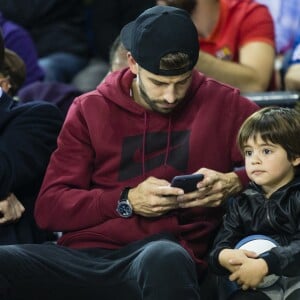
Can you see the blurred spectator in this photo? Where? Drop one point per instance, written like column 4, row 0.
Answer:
column 59, row 93
column 12, row 76
column 236, row 39
column 28, row 135
column 57, row 28
column 117, row 55
column 12, row 73
column 17, row 39
column 292, row 77
column 107, row 19
column 286, row 16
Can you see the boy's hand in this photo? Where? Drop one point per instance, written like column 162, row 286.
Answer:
column 232, row 259
column 250, row 273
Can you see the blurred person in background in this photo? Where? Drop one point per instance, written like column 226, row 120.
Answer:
column 28, row 135
column 57, row 28
column 292, row 76
column 106, row 18
column 18, row 39
column 12, row 73
column 286, row 17
column 237, row 43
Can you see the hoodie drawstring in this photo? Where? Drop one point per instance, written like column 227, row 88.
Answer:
column 168, row 141
column 145, row 142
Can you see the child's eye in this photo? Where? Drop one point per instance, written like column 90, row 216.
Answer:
column 247, row 152
column 267, row 151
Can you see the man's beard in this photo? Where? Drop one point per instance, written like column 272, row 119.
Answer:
column 152, row 103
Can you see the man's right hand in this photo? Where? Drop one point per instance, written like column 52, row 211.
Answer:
column 11, row 209
column 153, row 197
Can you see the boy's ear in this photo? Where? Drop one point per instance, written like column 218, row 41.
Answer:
column 296, row 162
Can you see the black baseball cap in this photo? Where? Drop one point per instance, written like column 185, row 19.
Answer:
column 159, row 31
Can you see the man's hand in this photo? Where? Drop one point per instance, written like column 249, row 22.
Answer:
column 11, row 209
column 212, row 190
column 153, row 197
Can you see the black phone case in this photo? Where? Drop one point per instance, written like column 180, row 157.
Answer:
column 187, row 182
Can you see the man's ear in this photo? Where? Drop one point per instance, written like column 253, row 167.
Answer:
column 132, row 63
column 296, row 161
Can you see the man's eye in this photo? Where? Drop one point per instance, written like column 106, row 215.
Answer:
column 158, row 83
column 183, row 82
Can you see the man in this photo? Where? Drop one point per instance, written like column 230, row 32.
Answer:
column 27, row 138
column 127, row 234
column 236, row 40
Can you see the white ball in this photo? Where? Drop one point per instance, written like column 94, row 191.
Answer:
column 259, row 243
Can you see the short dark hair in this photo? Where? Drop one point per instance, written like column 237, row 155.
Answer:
column 278, row 125
column 175, row 61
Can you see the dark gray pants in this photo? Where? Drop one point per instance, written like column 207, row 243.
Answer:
column 156, row 269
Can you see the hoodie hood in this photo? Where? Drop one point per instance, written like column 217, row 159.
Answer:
column 123, row 98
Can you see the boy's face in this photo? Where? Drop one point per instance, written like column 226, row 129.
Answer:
column 267, row 164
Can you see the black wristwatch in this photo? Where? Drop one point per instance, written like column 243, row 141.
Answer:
column 124, row 207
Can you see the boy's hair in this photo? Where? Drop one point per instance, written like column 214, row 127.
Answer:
column 277, row 125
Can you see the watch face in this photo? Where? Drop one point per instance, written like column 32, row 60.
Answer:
column 124, row 209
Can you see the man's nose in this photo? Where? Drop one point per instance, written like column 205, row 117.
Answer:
column 170, row 95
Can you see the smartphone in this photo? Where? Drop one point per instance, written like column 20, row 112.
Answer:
column 187, row 182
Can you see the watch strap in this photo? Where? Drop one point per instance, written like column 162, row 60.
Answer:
column 124, row 194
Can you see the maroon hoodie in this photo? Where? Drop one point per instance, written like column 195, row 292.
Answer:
column 108, row 142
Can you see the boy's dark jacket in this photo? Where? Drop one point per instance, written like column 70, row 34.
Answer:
column 277, row 217
column 28, row 135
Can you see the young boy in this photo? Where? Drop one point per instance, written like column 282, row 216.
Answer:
column 270, row 143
